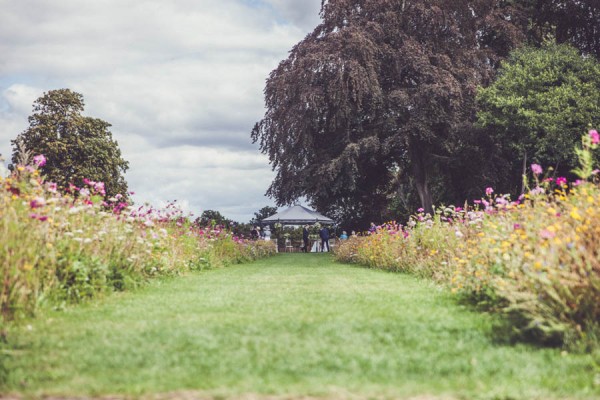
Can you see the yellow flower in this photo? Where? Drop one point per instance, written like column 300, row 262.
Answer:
column 27, row 267
column 575, row 215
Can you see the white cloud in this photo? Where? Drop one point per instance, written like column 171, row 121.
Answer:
column 181, row 82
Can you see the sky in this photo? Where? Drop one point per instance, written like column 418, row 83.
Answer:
column 181, row 82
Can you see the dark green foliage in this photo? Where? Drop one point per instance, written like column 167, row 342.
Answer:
column 76, row 147
column 539, row 106
column 576, row 22
column 263, row 213
column 212, row 218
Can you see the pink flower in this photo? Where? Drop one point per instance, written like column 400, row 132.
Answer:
column 99, row 188
column 546, row 234
column 561, row 180
column 40, row 160
column 536, row 168
column 420, row 210
column 578, row 182
column 594, row 136
column 39, row 217
column 37, row 202
column 52, row 187
column 489, row 191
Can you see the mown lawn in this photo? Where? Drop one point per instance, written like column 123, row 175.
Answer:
column 292, row 325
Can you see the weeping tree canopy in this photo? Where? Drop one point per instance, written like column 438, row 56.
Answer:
column 381, row 88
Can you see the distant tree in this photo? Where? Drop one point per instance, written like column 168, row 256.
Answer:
column 212, row 217
column 75, row 147
column 379, row 88
column 539, row 106
column 263, row 213
column 576, row 22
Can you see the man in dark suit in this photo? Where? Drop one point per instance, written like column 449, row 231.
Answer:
column 324, row 234
column 305, row 238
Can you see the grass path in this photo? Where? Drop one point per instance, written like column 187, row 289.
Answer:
column 291, row 325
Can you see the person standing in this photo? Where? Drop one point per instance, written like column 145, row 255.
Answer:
column 372, row 228
column 305, row 238
column 324, row 234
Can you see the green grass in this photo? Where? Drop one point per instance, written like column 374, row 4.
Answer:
column 295, row 324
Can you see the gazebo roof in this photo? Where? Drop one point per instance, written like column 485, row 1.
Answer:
column 298, row 215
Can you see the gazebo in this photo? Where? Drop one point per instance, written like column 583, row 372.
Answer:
column 297, row 215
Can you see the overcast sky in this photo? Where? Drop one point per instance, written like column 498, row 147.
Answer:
column 181, row 82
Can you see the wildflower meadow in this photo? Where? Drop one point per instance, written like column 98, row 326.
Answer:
column 534, row 260
column 59, row 248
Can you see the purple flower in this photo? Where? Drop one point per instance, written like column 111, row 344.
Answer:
column 420, row 210
column 39, row 160
column 489, row 191
column 536, row 168
column 594, row 136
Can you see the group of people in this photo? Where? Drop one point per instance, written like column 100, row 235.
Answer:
column 255, row 233
column 323, row 234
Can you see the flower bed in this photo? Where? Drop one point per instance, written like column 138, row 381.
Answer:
column 68, row 247
column 535, row 260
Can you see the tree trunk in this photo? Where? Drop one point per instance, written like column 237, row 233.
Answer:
column 419, row 167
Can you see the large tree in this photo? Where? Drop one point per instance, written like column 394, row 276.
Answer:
column 381, row 87
column 263, row 213
column 76, row 147
column 539, row 106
